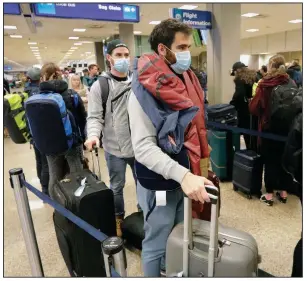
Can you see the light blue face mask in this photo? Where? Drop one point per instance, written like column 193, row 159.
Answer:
column 183, row 62
column 122, row 65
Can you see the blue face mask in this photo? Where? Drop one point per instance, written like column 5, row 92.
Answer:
column 122, row 65
column 183, row 62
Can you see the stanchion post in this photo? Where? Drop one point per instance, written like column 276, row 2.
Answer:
column 24, row 212
column 114, row 255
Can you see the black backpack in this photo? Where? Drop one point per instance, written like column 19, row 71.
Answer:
column 286, row 102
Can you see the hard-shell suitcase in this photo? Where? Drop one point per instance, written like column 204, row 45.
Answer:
column 247, row 172
column 222, row 113
column 210, row 249
column 91, row 200
column 224, row 145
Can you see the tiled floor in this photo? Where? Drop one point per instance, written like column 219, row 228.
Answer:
column 276, row 229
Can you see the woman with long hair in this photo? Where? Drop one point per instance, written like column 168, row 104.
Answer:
column 275, row 177
column 76, row 85
column 244, row 80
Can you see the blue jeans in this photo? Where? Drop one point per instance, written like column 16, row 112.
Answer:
column 159, row 222
column 117, row 173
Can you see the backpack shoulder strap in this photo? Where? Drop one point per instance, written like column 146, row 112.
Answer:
column 104, row 89
column 74, row 96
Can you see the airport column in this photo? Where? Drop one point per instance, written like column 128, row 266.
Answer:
column 100, row 60
column 223, row 50
column 126, row 35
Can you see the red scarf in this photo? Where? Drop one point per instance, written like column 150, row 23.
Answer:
column 163, row 84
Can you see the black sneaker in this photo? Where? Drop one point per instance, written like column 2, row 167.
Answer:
column 281, row 199
column 266, row 201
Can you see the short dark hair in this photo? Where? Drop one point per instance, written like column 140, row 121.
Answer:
column 165, row 33
column 92, row 66
column 85, row 70
column 264, row 68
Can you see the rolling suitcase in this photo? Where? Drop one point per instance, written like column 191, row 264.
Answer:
column 224, row 145
column 198, row 248
column 247, row 173
column 91, row 200
column 222, row 113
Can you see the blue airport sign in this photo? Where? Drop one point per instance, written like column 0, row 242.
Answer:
column 195, row 19
column 11, row 9
column 91, row 11
column 7, row 67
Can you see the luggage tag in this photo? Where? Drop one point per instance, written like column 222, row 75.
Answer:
column 81, row 188
column 160, row 198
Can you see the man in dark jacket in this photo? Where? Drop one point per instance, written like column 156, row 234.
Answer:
column 6, row 86
column 33, row 76
column 292, row 163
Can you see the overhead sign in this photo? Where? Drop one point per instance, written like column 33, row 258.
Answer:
column 195, row 19
column 7, row 67
column 11, row 9
column 91, row 11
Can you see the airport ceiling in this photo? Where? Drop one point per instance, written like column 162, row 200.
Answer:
column 52, row 34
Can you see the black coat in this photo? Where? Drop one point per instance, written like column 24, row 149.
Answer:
column 240, row 101
column 292, row 158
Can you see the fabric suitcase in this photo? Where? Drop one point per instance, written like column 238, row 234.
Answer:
column 203, row 211
column 247, row 172
column 224, row 145
column 133, row 230
column 95, row 205
column 222, row 113
column 198, row 248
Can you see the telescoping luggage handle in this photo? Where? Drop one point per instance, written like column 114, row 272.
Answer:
column 213, row 193
column 98, row 163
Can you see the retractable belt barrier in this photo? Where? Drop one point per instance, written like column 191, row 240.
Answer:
column 246, row 131
column 17, row 182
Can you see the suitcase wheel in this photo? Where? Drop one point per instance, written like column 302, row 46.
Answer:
column 235, row 188
column 249, row 196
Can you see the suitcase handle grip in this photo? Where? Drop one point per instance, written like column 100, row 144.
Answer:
column 213, row 193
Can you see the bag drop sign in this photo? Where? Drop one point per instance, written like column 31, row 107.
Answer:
column 91, row 11
column 196, row 19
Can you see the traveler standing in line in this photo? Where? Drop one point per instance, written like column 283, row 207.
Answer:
column 76, row 85
column 163, row 85
column 295, row 73
column 244, row 80
column 6, row 86
column 42, row 168
column 275, row 177
column 116, row 143
column 85, row 74
column 261, row 73
column 92, row 77
column 51, row 82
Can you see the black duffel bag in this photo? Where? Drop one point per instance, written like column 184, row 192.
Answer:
column 222, row 113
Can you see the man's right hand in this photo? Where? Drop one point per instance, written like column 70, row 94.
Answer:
column 91, row 142
column 194, row 187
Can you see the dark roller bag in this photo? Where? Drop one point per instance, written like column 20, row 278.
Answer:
column 133, row 230
column 247, row 172
column 222, row 113
column 91, row 200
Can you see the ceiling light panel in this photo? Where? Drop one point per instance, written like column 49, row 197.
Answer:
column 78, row 44
column 188, row 7
column 10, row 27
column 74, row 48
column 16, row 36
column 79, row 30
column 32, row 43
column 155, row 22
column 252, row 30
column 73, row 38
column 137, row 32
column 295, row 21
column 250, row 15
